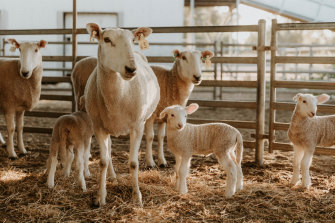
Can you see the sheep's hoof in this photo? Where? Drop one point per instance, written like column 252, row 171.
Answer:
column 4, row 145
column 13, row 157
column 137, row 199
column 22, row 154
column 163, row 165
column 150, row 167
column 95, row 203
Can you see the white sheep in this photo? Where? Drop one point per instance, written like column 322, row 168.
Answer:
column 120, row 95
column 71, row 132
column 307, row 131
column 185, row 140
column 176, row 86
column 20, row 89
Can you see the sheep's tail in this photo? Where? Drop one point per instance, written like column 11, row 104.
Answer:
column 239, row 149
column 64, row 132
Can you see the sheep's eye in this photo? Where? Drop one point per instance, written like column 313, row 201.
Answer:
column 303, row 101
column 172, row 115
column 107, row 40
column 183, row 57
column 36, row 50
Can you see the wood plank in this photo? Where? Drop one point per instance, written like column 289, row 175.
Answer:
column 225, row 104
column 318, row 150
column 306, row 26
column 290, row 107
column 45, row 114
column 305, row 85
column 219, row 83
column 234, row 60
column 305, row 60
column 236, row 124
column 56, row 97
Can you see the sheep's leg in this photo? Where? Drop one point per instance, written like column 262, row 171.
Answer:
column 135, row 142
column 68, row 159
column 298, row 154
column 2, row 141
column 19, row 130
column 149, row 137
column 52, row 164
column 111, row 170
column 10, row 130
column 102, row 138
column 239, row 182
column 176, row 169
column 80, row 157
column 87, row 155
column 305, row 165
column 231, row 169
column 183, row 172
column 161, row 134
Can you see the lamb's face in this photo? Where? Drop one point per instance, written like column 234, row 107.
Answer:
column 307, row 103
column 30, row 56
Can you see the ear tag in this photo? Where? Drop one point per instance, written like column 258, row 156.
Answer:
column 12, row 48
column 174, row 57
column 94, row 34
column 207, row 61
column 143, row 43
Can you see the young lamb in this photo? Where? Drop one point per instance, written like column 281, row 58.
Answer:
column 120, row 95
column 20, row 89
column 71, row 132
column 307, row 131
column 176, row 86
column 185, row 139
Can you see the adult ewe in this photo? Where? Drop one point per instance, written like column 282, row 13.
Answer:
column 20, row 88
column 120, row 95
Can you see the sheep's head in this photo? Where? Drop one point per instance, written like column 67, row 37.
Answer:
column 30, row 56
column 307, row 103
column 116, row 51
column 189, row 64
column 176, row 115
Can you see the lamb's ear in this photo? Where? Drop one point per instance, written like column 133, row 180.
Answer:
column 322, row 98
column 163, row 114
column 207, row 53
column 15, row 44
column 192, row 108
column 94, row 30
column 42, row 43
column 176, row 54
column 297, row 97
column 81, row 103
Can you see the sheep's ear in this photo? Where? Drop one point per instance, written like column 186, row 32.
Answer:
column 297, row 97
column 163, row 114
column 207, row 53
column 15, row 44
column 94, row 30
column 82, row 103
column 176, row 54
column 322, row 98
column 42, row 43
column 192, row 108
column 146, row 31
column 139, row 36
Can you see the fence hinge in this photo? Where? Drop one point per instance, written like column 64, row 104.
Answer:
column 264, row 48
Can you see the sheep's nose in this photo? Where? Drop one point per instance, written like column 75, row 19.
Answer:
column 180, row 125
column 130, row 70
column 313, row 113
column 24, row 74
column 197, row 78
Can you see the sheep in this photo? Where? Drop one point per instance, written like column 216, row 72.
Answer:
column 185, row 140
column 20, row 89
column 176, row 86
column 307, row 131
column 120, row 95
column 73, row 131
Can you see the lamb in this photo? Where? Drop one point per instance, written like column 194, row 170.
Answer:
column 176, row 86
column 307, row 131
column 20, row 89
column 73, row 131
column 185, row 139
column 120, row 95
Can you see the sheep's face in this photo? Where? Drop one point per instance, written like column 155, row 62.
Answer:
column 189, row 64
column 176, row 115
column 307, row 103
column 116, row 51
column 30, row 56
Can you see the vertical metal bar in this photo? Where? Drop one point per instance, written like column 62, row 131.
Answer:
column 221, row 67
column 260, row 119
column 3, row 46
column 215, row 70
column 311, row 65
column 272, row 115
column 74, row 45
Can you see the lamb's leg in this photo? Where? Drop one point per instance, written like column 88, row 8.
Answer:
column 80, row 157
column 231, row 169
column 68, row 159
column 239, row 182
column 102, row 138
column 161, row 134
column 176, row 169
column 111, row 170
column 305, row 165
column 298, row 154
column 52, row 164
column 87, row 155
column 19, row 130
column 135, row 142
column 149, row 137
column 183, row 172
column 10, row 123
column 2, row 141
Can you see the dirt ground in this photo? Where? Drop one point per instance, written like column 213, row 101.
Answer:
column 266, row 197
